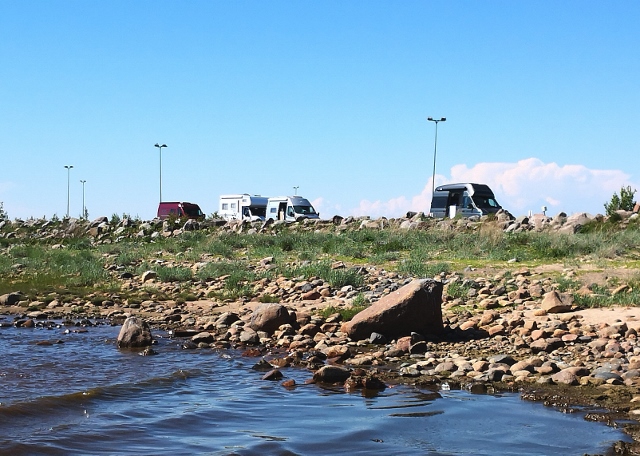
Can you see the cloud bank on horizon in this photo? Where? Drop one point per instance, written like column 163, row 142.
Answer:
column 520, row 187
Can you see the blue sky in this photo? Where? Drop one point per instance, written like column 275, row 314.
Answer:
column 542, row 103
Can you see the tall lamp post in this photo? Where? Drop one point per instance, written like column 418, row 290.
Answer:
column 295, row 190
column 435, row 149
column 160, row 147
column 68, row 167
column 84, row 210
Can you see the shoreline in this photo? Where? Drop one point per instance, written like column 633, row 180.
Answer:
column 609, row 402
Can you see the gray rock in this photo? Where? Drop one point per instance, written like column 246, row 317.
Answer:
column 268, row 317
column 10, row 299
column 135, row 332
column 148, row 275
column 377, row 338
column 331, row 374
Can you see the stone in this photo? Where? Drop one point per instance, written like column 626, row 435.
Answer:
column 10, row 299
column 273, row 375
column 377, row 338
column 204, row 337
column 416, row 307
column 331, row 374
column 565, row 377
column 337, row 352
column 268, row 317
column 148, row 275
column 135, row 332
column 552, row 303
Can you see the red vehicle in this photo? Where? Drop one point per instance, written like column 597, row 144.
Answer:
column 180, row 210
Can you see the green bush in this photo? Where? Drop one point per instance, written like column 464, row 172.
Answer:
column 623, row 201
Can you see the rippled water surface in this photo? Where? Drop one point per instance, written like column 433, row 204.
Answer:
column 80, row 395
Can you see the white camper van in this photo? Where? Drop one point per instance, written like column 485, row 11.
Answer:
column 464, row 199
column 243, row 207
column 290, row 208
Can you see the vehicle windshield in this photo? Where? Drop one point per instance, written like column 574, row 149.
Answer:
column 192, row 211
column 260, row 211
column 485, row 202
column 304, row 210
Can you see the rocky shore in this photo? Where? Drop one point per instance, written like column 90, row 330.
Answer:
column 512, row 330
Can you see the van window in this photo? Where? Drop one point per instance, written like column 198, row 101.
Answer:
column 225, row 206
column 466, row 201
column 273, row 210
column 438, row 202
column 485, row 202
column 233, row 206
column 290, row 212
column 259, row 211
column 304, row 210
column 192, row 211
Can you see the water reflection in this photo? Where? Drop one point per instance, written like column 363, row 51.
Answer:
column 83, row 396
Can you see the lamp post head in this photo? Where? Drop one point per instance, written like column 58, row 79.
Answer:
column 68, row 166
column 160, row 146
column 442, row 119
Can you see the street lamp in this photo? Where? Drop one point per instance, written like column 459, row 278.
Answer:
column 84, row 211
column 435, row 149
column 160, row 147
column 68, row 167
column 295, row 190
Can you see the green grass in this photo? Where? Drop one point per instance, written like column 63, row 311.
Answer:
column 347, row 313
column 81, row 266
column 337, row 278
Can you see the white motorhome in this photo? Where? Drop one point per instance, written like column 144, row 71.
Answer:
column 243, row 207
column 290, row 208
column 464, row 199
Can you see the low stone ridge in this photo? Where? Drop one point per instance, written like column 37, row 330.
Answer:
column 416, row 307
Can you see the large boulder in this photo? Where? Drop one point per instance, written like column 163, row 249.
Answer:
column 135, row 332
column 10, row 299
column 413, row 308
column 268, row 317
column 554, row 302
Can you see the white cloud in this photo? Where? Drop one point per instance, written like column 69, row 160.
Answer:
column 519, row 187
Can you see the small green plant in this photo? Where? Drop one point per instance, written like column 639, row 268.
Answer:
column 360, row 300
column 269, row 298
column 565, row 284
column 174, row 274
column 623, row 201
column 418, row 268
column 347, row 313
column 458, row 289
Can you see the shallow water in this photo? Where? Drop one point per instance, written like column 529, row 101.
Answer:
column 84, row 396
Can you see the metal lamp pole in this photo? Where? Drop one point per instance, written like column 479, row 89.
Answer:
column 295, row 190
column 160, row 147
column 68, row 167
column 435, row 149
column 84, row 211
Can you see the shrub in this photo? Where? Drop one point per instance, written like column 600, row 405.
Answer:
column 459, row 289
column 624, row 201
